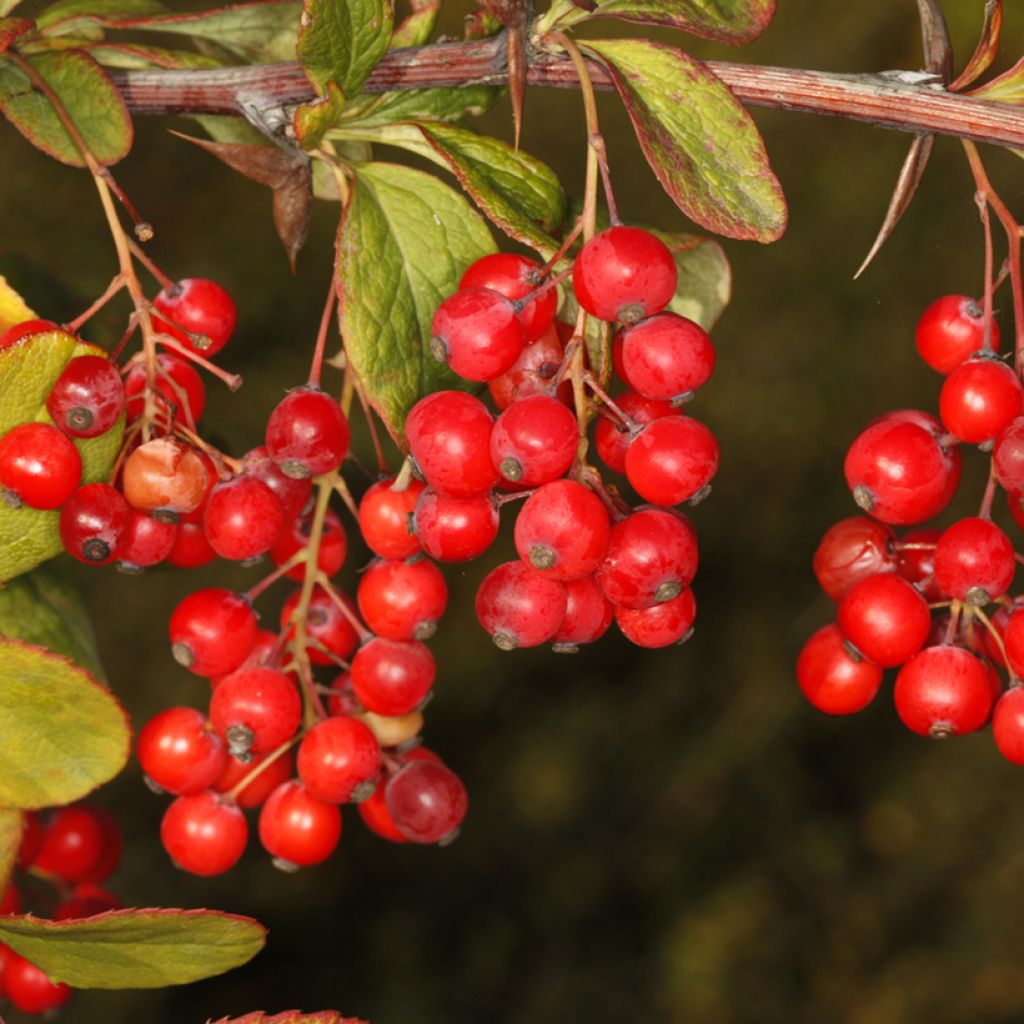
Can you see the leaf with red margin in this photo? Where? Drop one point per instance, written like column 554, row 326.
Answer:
column 291, row 1017
column 132, row 56
column 342, row 42
column 72, row 17
column 92, row 102
column 148, row 948
column 699, row 140
column 725, row 21
column 13, row 28
column 12, row 822
column 1005, row 88
column 415, row 28
column 987, row 48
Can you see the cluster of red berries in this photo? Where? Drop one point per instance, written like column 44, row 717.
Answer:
column 585, row 556
column 918, row 601
column 72, row 850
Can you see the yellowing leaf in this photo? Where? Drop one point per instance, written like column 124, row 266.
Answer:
column 11, row 823
column 13, row 309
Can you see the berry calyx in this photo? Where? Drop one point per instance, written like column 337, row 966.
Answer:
column 255, row 710
column 534, row 441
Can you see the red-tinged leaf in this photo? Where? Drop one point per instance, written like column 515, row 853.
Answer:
column 313, row 120
column 133, row 56
column 1005, row 88
column 342, row 42
column 72, row 17
column 987, row 48
column 12, row 821
column 286, row 172
column 415, row 27
column 700, row 142
column 11, row 29
column 291, row 1017
column 149, row 948
column 938, row 51
column 86, row 92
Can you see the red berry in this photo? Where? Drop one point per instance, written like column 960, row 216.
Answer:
column 279, row 770
column 295, row 536
column 243, row 518
column 673, row 459
column 31, row 838
column 39, row 466
column 385, row 519
column 307, row 433
column 402, row 600
column 612, row 438
column 588, row 614
column 203, row 833
column 266, row 650
column 180, row 752
column 1008, row 724
column 147, row 542
column 950, row 330
column 651, row 558
column 26, row 329
column 255, row 710
column 533, row 373
column 391, row 677
column 832, row 679
column 1008, row 456
column 1013, row 640
column 73, row 844
column 980, row 399
column 666, row 357
column 562, row 530
column 212, row 631
column 515, row 277
column 974, row 561
column 10, row 903
column 326, row 624
column 178, row 384
column 534, row 441
column 624, row 274
column 87, row 398
column 519, row 607
column 917, row 564
column 478, row 333
column 298, row 829
column 191, row 548
column 339, row 760
column 293, row 494
column 449, row 435
column 426, row 801
column 28, row 988
column 164, row 476
column 374, row 812
column 943, row 691
column 455, row 529
column 94, row 523
column 885, row 618
column 670, row 622
column 852, row 550
column 203, row 308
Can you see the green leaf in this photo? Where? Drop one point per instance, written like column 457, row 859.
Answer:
column 44, row 609
column 405, row 240
column 416, row 27
column 13, row 309
column 705, row 277
column 342, row 42
column 12, row 821
column 1005, row 88
column 68, row 17
column 12, row 29
column 383, row 108
column 133, row 57
column 28, row 371
column 136, row 948
column 87, row 94
column 291, row 1017
column 61, row 733
column 313, row 120
column 701, row 144
column 725, row 21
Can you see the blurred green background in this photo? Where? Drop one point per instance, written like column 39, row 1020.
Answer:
column 663, row 836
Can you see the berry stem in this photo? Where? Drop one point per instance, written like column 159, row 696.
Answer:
column 233, row 380
column 255, row 773
column 144, row 258
column 112, row 289
column 363, row 633
column 985, row 511
column 316, row 366
column 990, row 626
column 566, row 245
column 254, row 592
column 989, row 287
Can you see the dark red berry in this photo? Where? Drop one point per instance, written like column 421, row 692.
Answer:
column 203, row 308
column 669, row 622
column 203, row 833
column 455, row 529
column 426, row 801
column 852, row 550
column 243, row 518
column 39, row 466
column 916, row 551
column 402, row 600
column 296, row 828
column 974, row 561
column 672, row 459
column 515, row 277
column 307, row 433
column 212, row 631
column 94, row 523
column 338, row 760
column 518, row 607
column 392, row 677
column 255, row 710
column 666, row 357
column 326, row 625
column 588, row 614
column 950, row 330
column 87, row 398
column 1008, row 456
column 478, row 333
column 385, row 519
column 943, row 691
column 180, row 752
column 831, row 678
column 980, row 399
column 178, row 385
column 885, row 619
column 374, row 812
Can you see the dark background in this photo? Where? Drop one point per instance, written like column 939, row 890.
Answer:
column 668, row 836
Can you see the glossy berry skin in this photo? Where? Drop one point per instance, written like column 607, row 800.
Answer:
column 392, row 677
column 25, row 329
column 191, row 549
column 374, row 812
column 672, row 460
column 74, row 842
column 147, row 542
column 943, row 691
column 204, row 834
column 980, row 399
column 1013, row 640
column 94, row 523
column 449, row 436
column 885, row 618
column 974, row 561
column 534, row 441
column 562, row 530
column 532, row 373
column 297, row 828
column 243, row 518
column 588, row 615
column 267, row 649
column 612, row 438
column 261, row 700
column 478, row 333
column 1008, row 457
column 326, row 623
column 852, row 550
column 515, row 277
column 666, row 356
column 200, row 306
column 917, row 565
column 180, row 752
column 384, row 519
column 899, row 473
column 178, row 384
column 831, row 679
column 39, row 466
column 28, row 988
column 624, row 274
column 950, row 330
column 293, row 494
column 402, row 600
column 455, row 529
column 651, row 558
column 164, row 476
column 87, row 399
column 339, row 760
column 307, row 433
column 518, row 607
column 426, row 800
column 660, row 625
column 1008, row 725
column 295, row 536
column 280, row 770
column 212, row 631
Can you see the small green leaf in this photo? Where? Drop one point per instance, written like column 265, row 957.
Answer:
column 415, row 28
column 705, row 278
column 28, row 371
column 373, row 110
column 312, row 121
column 87, row 94
column 61, row 733
column 1005, row 88
column 44, row 609
column 405, row 240
column 291, row 1017
column 12, row 822
column 725, row 21
column 701, row 143
column 136, row 948
column 342, row 42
